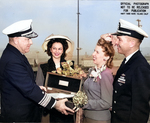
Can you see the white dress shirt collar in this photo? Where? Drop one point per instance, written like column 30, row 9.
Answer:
column 128, row 57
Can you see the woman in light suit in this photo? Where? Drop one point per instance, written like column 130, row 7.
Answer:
column 98, row 85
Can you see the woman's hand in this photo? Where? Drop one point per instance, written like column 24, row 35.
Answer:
column 83, row 74
column 110, row 109
column 107, row 37
column 43, row 88
column 110, row 37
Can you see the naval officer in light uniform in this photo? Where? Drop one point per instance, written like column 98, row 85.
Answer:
column 20, row 96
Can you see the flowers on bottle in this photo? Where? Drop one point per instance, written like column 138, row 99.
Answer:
column 68, row 70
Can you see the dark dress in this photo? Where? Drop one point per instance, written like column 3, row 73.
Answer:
column 55, row 116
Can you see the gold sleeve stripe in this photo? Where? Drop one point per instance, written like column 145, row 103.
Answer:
column 45, row 100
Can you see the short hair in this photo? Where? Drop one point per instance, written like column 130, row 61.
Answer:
column 58, row 40
column 139, row 41
column 108, row 50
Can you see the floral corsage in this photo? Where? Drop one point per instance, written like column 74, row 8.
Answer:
column 96, row 72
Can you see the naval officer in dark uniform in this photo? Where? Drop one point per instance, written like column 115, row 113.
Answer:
column 20, row 96
column 132, row 82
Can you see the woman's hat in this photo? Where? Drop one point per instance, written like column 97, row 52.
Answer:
column 44, row 45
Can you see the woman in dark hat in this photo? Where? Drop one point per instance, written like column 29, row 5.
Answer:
column 56, row 47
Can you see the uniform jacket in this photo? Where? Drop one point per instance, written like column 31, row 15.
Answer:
column 20, row 94
column 132, row 91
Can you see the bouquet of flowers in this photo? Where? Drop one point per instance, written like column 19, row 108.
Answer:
column 80, row 99
column 68, row 70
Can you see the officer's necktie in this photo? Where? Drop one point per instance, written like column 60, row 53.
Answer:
column 122, row 64
column 124, row 61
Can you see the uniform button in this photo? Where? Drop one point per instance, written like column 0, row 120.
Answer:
column 114, row 111
column 115, row 91
column 114, row 101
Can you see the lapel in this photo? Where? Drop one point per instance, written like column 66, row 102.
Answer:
column 29, row 68
column 16, row 52
column 129, row 64
column 51, row 64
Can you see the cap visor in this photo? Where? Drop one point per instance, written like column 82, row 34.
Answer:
column 118, row 34
column 32, row 35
